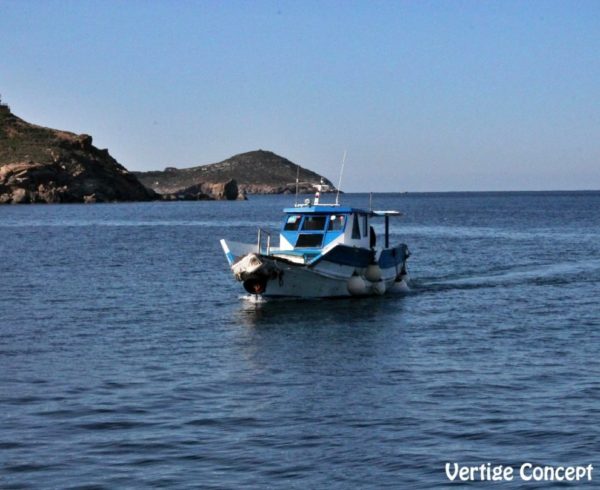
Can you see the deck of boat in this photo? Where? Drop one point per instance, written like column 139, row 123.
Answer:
column 297, row 256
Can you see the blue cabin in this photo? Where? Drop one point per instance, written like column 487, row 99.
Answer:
column 312, row 228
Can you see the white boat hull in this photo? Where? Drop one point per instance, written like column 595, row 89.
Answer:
column 326, row 278
column 304, row 282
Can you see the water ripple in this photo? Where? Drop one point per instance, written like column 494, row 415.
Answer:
column 130, row 358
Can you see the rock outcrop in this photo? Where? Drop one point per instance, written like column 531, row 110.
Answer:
column 43, row 165
column 255, row 172
column 207, row 191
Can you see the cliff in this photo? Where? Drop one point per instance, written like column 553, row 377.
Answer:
column 44, row 165
column 39, row 164
column 255, row 172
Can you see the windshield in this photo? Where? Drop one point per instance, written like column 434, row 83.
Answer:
column 314, row 223
column 292, row 222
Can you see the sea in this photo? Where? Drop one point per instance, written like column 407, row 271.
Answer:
column 130, row 358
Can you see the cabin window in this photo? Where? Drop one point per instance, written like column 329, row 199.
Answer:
column 365, row 225
column 314, row 223
column 310, row 240
column 355, row 228
column 336, row 222
column 292, row 223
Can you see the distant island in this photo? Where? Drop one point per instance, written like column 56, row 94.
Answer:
column 44, row 165
column 254, row 172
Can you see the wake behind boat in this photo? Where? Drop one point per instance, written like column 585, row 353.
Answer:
column 325, row 250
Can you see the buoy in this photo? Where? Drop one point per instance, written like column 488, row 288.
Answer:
column 378, row 288
column 373, row 273
column 400, row 286
column 357, row 286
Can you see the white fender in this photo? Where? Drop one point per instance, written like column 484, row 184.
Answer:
column 378, row 288
column 400, row 287
column 357, row 286
column 373, row 273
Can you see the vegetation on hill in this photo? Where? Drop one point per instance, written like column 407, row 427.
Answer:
column 256, row 172
column 39, row 164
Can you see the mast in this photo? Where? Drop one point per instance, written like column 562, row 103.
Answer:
column 297, row 183
column 337, row 197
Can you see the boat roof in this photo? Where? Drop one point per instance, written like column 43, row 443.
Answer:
column 336, row 209
column 324, row 208
column 386, row 212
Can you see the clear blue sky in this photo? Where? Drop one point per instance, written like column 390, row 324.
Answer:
column 425, row 96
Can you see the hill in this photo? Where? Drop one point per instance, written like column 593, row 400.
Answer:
column 39, row 164
column 255, row 172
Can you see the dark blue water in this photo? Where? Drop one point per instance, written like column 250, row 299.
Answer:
column 130, row 358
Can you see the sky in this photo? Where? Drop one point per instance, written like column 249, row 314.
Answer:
column 423, row 96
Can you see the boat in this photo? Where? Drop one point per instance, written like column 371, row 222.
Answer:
column 325, row 251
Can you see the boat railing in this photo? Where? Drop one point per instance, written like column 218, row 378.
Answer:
column 259, row 246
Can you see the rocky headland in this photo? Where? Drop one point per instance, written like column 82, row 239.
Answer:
column 43, row 165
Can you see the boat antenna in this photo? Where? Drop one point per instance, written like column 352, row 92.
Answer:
column 297, row 181
column 370, row 201
column 337, row 197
